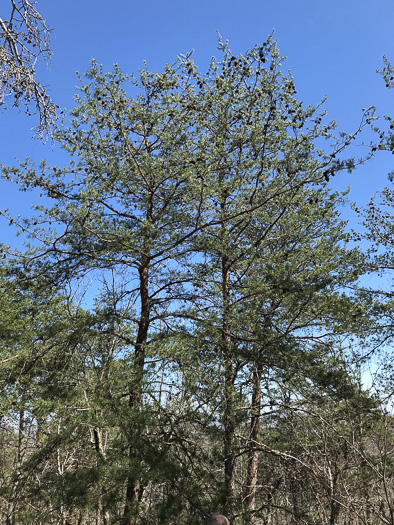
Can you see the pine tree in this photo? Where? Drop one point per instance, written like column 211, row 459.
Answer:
column 204, row 198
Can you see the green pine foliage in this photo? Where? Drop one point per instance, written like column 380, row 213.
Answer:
column 212, row 370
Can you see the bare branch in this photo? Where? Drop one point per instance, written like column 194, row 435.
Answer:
column 25, row 38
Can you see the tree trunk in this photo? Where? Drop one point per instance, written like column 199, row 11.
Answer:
column 229, row 397
column 13, row 502
column 253, row 454
column 134, row 486
column 99, row 446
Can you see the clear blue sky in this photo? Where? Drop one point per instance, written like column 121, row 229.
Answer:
column 333, row 50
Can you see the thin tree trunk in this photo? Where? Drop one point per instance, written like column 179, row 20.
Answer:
column 13, row 503
column 334, row 505
column 253, row 454
column 134, row 486
column 99, row 446
column 229, row 441
column 229, row 396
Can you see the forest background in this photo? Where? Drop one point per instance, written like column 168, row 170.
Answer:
column 220, row 363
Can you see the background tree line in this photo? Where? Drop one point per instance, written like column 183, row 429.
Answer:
column 217, row 367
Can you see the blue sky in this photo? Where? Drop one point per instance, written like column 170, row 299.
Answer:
column 333, row 50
